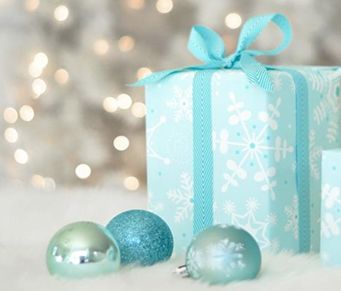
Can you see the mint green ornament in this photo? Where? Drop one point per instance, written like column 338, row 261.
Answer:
column 222, row 254
column 81, row 250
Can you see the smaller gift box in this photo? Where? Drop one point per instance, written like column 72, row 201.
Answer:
column 331, row 207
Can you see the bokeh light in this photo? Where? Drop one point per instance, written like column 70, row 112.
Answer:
column 61, row 76
column 138, row 109
column 164, row 6
column 135, row 4
column 39, row 87
column 233, row 20
column 21, row 156
column 131, row 183
column 31, row 5
column 11, row 135
column 10, row 115
column 110, row 104
column 126, row 43
column 101, row 46
column 26, row 113
column 121, row 143
column 143, row 72
column 61, row 13
column 83, row 171
column 124, row 101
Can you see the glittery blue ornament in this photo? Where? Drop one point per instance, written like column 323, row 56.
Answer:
column 223, row 253
column 143, row 237
column 81, row 250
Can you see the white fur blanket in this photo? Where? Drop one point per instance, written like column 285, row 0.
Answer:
column 28, row 218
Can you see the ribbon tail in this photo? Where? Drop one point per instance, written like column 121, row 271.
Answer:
column 256, row 72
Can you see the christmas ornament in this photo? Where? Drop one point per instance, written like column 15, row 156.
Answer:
column 82, row 249
column 221, row 254
column 143, row 237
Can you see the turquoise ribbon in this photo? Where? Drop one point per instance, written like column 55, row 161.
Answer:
column 207, row 46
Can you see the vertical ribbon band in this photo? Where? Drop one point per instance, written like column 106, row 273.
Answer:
column 202, row 151
column 302, row 159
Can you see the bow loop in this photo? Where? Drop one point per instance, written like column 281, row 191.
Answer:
column 207, row 46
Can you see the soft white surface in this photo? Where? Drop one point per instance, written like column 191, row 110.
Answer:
column 28, row 218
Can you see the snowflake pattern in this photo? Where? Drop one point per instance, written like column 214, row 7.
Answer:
column 183, row 198
column 251, row 145
column 249, row 220
column 181, row 104
column 330, row 226
column 150, row 132
column 222, row 257
column 292, row 217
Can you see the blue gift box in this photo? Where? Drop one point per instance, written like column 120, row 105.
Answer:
column 234, row 141
column 331, row 208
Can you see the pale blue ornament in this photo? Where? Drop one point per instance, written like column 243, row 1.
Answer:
column 222, row 254
column 143, row 237
column 81, row 250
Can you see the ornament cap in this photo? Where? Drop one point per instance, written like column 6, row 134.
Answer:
column 182, row 271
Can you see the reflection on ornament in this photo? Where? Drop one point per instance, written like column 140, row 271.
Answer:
column 143, row 237
column 222, row 254
column 82, row 250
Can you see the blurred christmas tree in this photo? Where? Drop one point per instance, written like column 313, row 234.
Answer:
column 69, row 118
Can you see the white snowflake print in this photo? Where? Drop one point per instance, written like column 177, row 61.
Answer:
column 181, row 104
column 330, row 225
column 315, row 153
column 252, row 145
column 330, row 196
column 292, row 217
column 150, row 132
column 327, row 85
column 183, row 198
column 248, row 220
column 224, row 257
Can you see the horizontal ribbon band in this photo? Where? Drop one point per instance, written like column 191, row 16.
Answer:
column 207, row 46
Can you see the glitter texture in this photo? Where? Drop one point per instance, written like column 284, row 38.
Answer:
column 143, row 237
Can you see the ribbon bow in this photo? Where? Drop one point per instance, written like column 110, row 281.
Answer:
column 207, row 46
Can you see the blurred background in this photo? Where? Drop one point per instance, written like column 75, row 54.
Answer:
column 68, row 118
